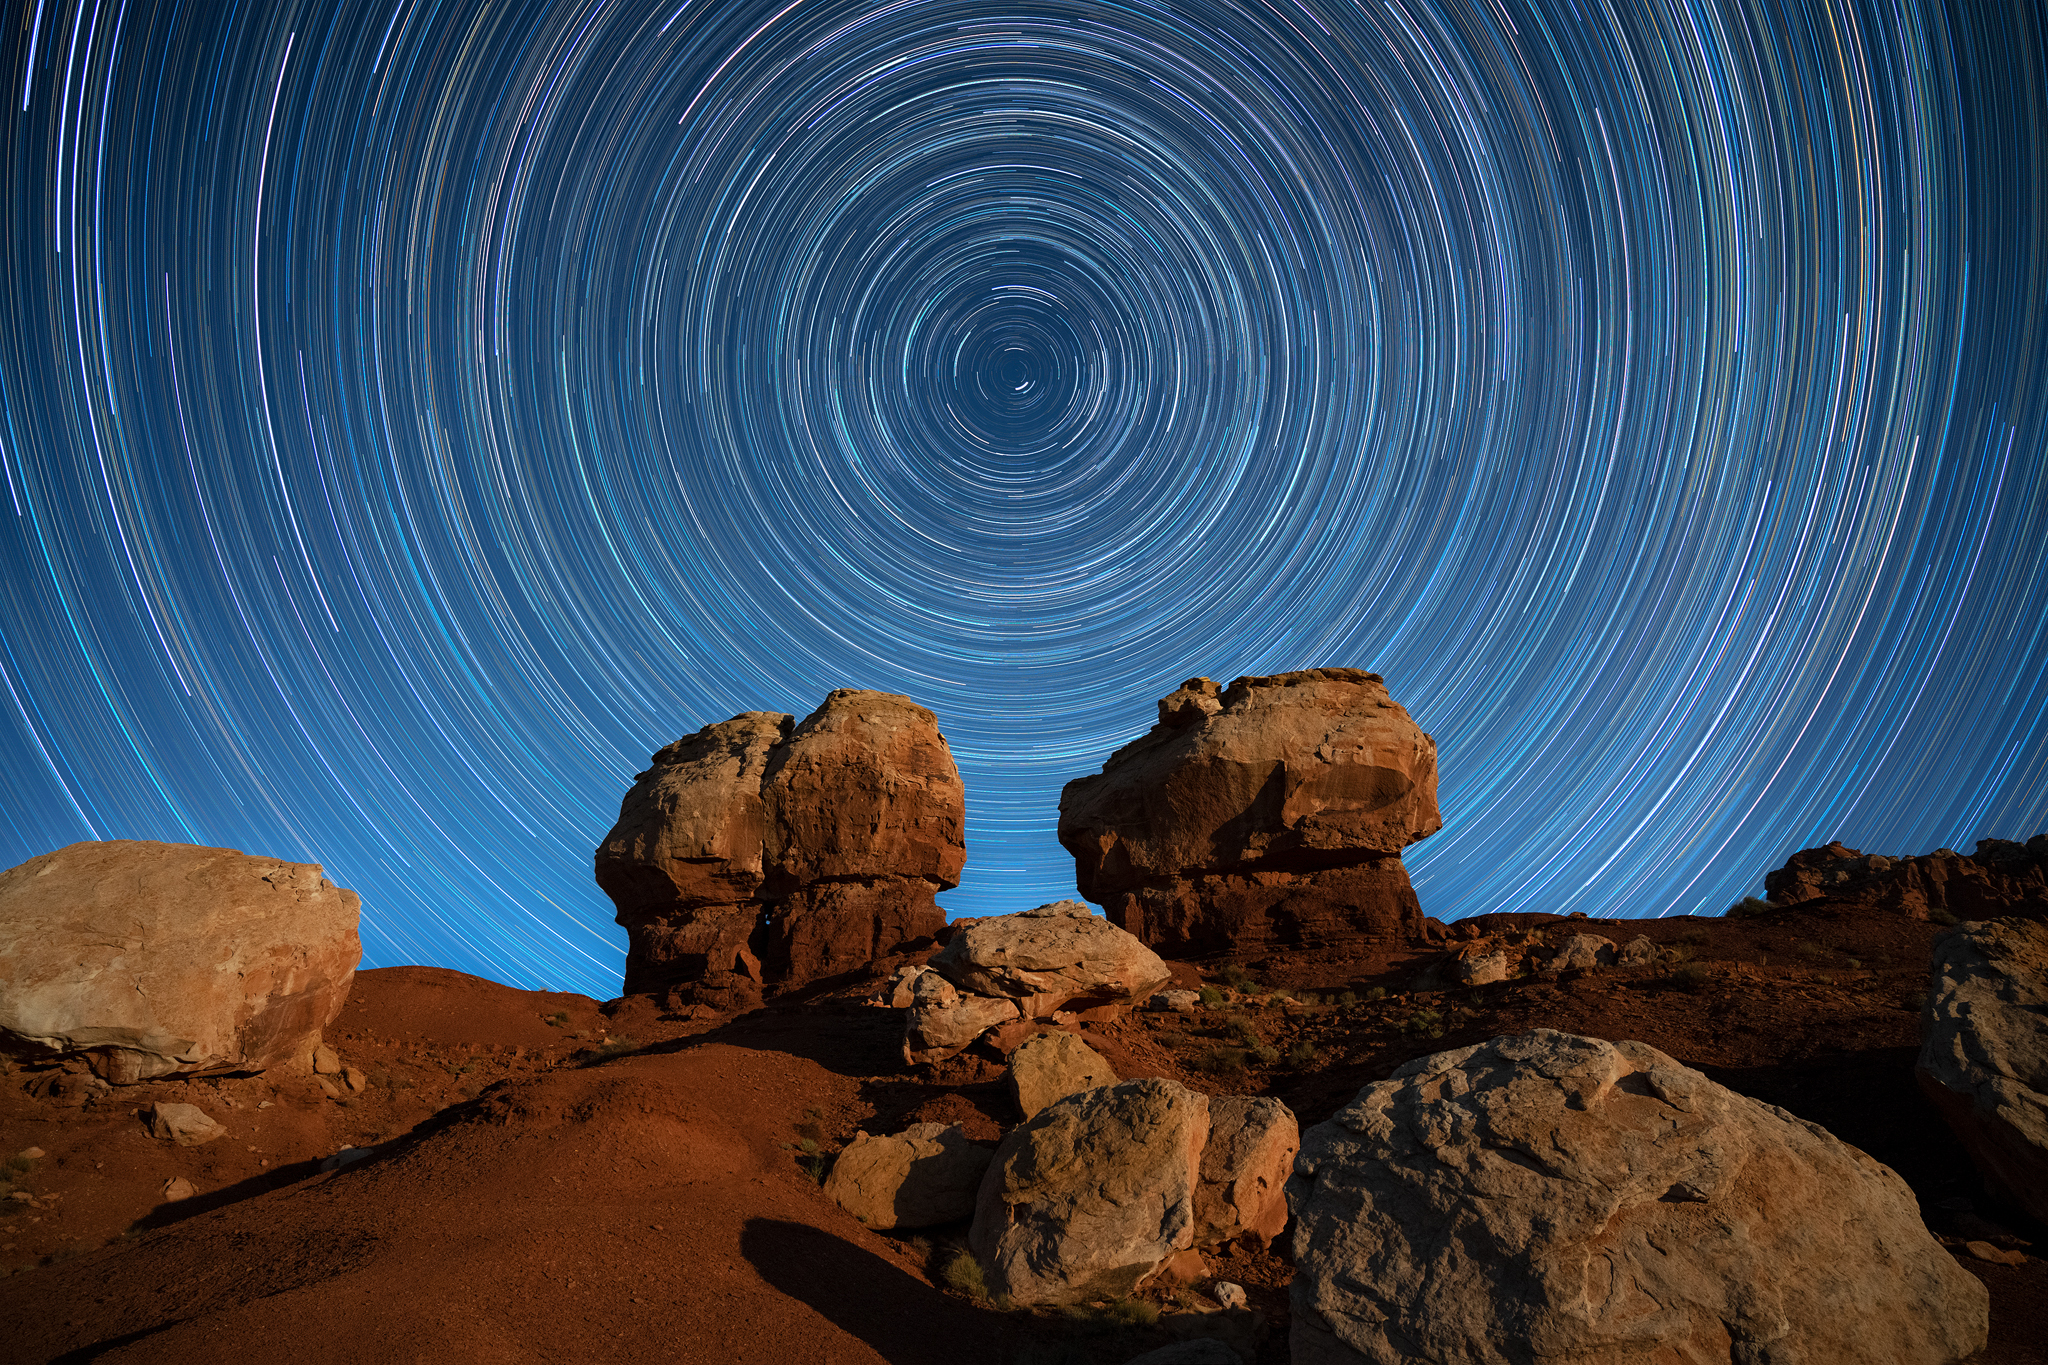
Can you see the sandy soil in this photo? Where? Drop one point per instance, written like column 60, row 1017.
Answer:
column 549, row 1179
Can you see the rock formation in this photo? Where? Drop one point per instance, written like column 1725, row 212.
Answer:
column 1597, row 1200
column 152, row 959
column 1093, row 1194
column 763, row 851
column 2002, row 877
column 1052, row 1066
column 1245, row 1166
column 1984, row 1058
column 1271, row 813
column 925, row 1175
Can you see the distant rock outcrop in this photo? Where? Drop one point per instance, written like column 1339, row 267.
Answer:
column 157, row 959
column 1984, row 1058
column 2003, row 877
column 1271, row 813
column 763, row 851
column 1597, row 1200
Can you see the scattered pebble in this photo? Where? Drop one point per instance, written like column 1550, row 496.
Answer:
column 1228, row 1294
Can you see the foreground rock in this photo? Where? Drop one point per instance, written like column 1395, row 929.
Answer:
column 774, row 852
column 2002, row 877
column 1093, row 1194
column 925, row 1175
column 1598, row 1201
column 153, row 959
column 1271, row 813
column 1059, row 956
column 1245, row 1166
column 1984, row 1061
column 1053, row 1066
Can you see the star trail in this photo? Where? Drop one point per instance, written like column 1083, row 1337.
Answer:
column 413, row 414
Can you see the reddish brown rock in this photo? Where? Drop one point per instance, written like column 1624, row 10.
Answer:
column 1268, row 814
column 152, row 959
column 2003, row 877
column 759, row 849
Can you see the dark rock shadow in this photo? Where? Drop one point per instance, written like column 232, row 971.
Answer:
column 905, row 1320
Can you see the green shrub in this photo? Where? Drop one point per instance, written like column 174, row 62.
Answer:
column 962, row 1273
column 1691, row 976
column 1238, row 979
column 1210, row 995
column 1424, row 1023
column 1302, row 1055
column 1749, row 906
column 1939, row 915
column 1221, row 1061
column 1244, row 1031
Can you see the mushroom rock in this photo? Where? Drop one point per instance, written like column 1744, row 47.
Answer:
column 783, row 852
column 154, row 959
column 1267, row 814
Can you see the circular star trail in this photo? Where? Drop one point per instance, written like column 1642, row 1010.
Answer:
column 412, row 415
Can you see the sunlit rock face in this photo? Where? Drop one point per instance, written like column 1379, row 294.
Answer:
column 1271, row 813
column 766, row 851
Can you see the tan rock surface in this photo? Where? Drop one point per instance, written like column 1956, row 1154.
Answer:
column 1245, row 1166
column 153, row 959
column 1984, row 1058
column 1053, row 1066
column 941, row 1022
column 1598, row 1201
column 1050, row 958
column 1093, row 1194
column 925, row 1175
column 1236, row 820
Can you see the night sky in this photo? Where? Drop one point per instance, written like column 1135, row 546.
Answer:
column 413, row 414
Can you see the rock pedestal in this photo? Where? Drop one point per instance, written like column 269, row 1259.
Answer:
column 779, row 852
column 1268, row 814
column 158, row 959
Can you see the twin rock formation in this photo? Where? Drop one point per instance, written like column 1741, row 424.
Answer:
column 1272, row 813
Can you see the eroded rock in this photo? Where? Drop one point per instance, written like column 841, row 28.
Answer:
column 154, row 959
column 1093, row 1194
column 1599, row 1201
column 1057, row 957
column 1053, row 1066
column 2003, row 876
column 1245, row 1166
column 925, row 1175
column 764, row 850
column 1984, row 1051
column 1271, row 813
column 187, row 1125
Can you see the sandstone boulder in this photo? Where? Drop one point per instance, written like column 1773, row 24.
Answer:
column 1053, row 1066
column 1580, row 952
column 1984, row 1051
column 1245, row 1166
column 1093, row 1194
column 185, row 1124
column 1483, row 962
column 780, row 852
column 1598, row 1201
column 152, row 959
column 925, row 1175
column 1638, row 951
column 941, row 1022
column 2002, row 877
column 1058, row 957
column 1271, row 813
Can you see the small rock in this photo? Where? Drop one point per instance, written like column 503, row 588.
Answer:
column 176, row 1188
column 30, row 1154
column 1202, row 1351
column 1053, row 1066
column 332, row 1090
column 1482, row 963
column 897, row 991
column 1180, row 1270
column 357, row 1081
column 1583, row 951
column 1984, row 1251
column 21, row 1196
column 326, row 1061
column 1174, row 1002
column 1638, row 951
column 347, row 1156
column 1228, row 1294
column 185, row 1124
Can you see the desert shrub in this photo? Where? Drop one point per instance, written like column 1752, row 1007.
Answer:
column 1691, row 976
column 1117, row 1315
column 962, row 1273
column 1424, row 1023
column 1265, row 1054
column 1210, row 995
column 1809, row 949
column 1238, row 979
column 1939, row 915
column 1243, row 1031
column 1376, row 993
column 1748, row 906
column 1309, row 998
column 1221, row 1061
column 558, row 1019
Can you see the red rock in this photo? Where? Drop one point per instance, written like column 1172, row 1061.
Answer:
column 2002, row 877
column 778, row 853
column 1269, row 814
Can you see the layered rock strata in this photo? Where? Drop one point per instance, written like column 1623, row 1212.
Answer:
column 157, row 959
column 1984, row 1051
column 1599, row 1201
column 1268, row 814
column 760, row 850
column 2002, row 877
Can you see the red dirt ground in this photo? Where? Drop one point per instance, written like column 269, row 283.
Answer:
column 557, row 1181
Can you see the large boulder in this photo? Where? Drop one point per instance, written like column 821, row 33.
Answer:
column 1055, row 957
column 942, row 1022
column 1553, row 1197
column 783, row 852
column 1268, row 814
column 2002, row 877
column 153, row 959
column 1053, row 1066
column 925, row 1175
column 1093, row 1194
column 1984, row 1054
column 1245, row 1166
